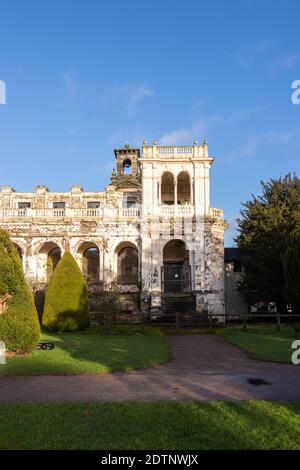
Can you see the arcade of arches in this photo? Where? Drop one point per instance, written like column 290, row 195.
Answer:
column 176, row 190
column 175, row 268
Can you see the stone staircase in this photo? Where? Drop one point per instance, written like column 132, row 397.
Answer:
column 180, row 303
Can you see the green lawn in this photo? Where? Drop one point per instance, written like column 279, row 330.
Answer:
column 189, row 425
column 92, row 352
column 262, row 341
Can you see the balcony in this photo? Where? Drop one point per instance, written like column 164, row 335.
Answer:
column 176, row 210
column 187, row 210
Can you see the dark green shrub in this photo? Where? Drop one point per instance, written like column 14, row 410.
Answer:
column 66, row 303
column 19, row 325
column 11, row 272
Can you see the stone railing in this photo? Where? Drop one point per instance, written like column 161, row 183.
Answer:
column 106, row 213
column 131, row 212
column 170, row 151
column 176, row 152
column 176, row 210
column 216, row 213
column 69, row 213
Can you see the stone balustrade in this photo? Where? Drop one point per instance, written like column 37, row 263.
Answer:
column 109, row 213
column 176, row 210
column 216, row 213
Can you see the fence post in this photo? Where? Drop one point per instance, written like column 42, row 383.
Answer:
column 142, row 322
column 210, row 321
column 244, row 321
column 106, row 322
column 278, row 320
column 177, row 323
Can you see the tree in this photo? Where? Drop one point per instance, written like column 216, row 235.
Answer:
column 264, row 226
column 66, row 302
column 291, row 271
column 108, row 304
column 19, row 324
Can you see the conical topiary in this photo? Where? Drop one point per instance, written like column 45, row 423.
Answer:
column 19, row 324
column 66, row 303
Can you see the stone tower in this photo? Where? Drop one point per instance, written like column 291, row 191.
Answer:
column 127, row 177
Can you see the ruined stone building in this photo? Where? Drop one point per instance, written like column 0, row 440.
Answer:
column 152, row 233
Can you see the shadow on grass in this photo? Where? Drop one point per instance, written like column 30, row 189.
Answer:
column 152, row 426
column 90, row 352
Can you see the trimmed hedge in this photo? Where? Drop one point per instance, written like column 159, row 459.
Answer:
column 66, row 302
column 11, row 272
column 19, row 325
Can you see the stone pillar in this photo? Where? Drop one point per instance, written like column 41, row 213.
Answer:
column 192, row 190
column 206, row 183
column 107, row 266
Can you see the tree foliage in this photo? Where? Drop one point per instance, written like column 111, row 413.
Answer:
column 264, row 226
column 19, row 324
column 66, row 302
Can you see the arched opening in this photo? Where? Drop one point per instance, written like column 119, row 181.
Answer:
column 167, row 188
column 48, row 258
column 128, row 264
column 19, row 250
column 90, row 257
column 127, row 167
column 53, row 259
column 183, row 188
column 176, row 269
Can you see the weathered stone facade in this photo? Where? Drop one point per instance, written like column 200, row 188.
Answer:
column 152, row 232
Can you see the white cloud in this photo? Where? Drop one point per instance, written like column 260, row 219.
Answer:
column 247, row 54
column 197, row 105
column 200, row 128
column 252, row 143
column 287, row 62
column 176, row 137
column 130, row 96
column 136, row 95
column 69, row 84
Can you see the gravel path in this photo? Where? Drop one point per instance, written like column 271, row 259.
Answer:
column 202, row 367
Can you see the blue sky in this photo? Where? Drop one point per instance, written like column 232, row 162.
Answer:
column 84, row 77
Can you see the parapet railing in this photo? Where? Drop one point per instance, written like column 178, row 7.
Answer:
column 217, row 213
column 69, row 213
column 170, row 151
column 176, row 210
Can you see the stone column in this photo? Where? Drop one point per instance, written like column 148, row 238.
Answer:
column 192, row 190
